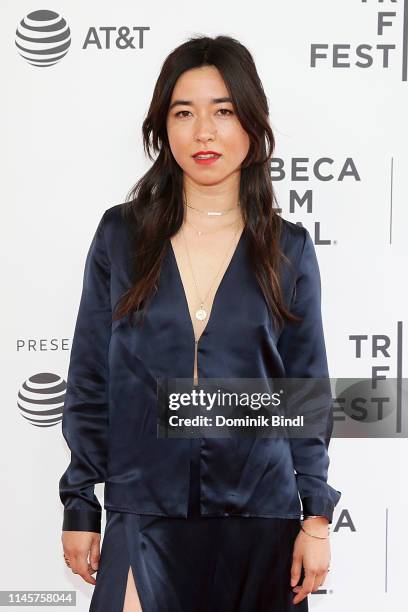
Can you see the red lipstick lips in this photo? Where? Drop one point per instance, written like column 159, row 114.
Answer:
column 206, row 153
column 206, row 157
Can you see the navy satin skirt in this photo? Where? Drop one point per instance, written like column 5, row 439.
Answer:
column 197, row 564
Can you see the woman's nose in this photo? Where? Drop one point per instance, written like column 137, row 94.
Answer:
column 205, row 128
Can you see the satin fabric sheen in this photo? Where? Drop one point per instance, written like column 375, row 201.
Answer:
column 110, row 414
column 198, row 564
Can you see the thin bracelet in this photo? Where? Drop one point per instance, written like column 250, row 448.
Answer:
column 315, row 536
column 308, row 516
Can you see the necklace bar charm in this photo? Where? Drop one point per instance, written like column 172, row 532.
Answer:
column 214, row 213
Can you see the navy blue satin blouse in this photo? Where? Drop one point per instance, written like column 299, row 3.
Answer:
column 110, row 411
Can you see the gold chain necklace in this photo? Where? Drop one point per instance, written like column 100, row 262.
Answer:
column 202, row 233
column 201, row 313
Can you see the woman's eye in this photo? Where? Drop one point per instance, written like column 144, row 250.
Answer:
column 179, row 113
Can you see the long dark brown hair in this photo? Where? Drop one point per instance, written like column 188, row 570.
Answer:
column 154, row 207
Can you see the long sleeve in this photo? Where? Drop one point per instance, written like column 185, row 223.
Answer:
column 303, row 352
column 85, row 413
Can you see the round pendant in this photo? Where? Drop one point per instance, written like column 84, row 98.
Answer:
column 200, row 314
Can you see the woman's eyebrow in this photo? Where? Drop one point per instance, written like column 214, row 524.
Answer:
column 190, row 103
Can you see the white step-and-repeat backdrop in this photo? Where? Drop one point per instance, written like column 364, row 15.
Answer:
column 335, row 73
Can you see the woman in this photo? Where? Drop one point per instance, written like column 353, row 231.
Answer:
column 220, row 286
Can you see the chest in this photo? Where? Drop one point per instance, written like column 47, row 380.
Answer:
column 237, row 338
column 200, row 272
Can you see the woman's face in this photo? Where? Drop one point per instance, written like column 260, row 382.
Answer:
column 198, row 121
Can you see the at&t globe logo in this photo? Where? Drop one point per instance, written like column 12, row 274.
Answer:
column 41, row 399
column 43, row 38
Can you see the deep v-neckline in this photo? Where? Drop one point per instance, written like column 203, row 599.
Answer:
column 227, row 271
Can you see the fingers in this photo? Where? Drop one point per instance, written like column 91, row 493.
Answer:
column 306, row 587
column 79, row 565
column 94, row 555
column 78, row 546
column 319, row 580
column 296, row 570
column 311, row 583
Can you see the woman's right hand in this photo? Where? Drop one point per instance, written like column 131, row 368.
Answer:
column 77, row 546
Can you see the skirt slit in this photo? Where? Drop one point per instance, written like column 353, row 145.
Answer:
column 198, row 563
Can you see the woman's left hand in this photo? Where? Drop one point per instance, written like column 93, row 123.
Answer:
column 313, row 554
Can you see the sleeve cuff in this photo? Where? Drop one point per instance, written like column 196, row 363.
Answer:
column 82, row 520
column 317, row 505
